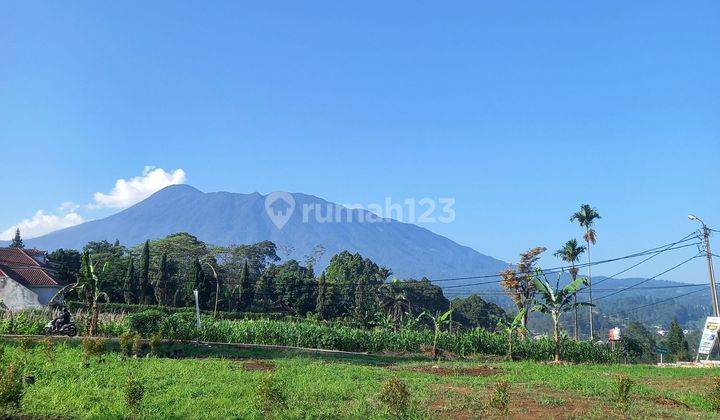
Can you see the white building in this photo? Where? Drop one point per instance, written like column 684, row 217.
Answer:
column 26, row 278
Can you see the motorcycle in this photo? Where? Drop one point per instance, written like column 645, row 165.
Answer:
column 68, row 329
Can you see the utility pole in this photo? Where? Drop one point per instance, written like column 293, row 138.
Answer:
column 711, row 270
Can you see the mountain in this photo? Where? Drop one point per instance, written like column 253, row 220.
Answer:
column 223, row 218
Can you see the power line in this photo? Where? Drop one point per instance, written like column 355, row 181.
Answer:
column 679, row 286
column 659, row 301
column 558, row 269
column 651, row 278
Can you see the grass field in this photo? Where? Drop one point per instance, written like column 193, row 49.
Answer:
column 228, row 385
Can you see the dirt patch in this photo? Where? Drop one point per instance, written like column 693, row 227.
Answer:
column 258, row 365
column 456, row 371
column 667, row 402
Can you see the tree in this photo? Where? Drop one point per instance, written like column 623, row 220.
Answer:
column 202, row 284
column 130, row 282
column 165, row 288
column 393, row 301
column 89, row 284
column 555, row 302
column 68, row 263
column 510, row 327
column 320, row 303
column 676, row 342
column 245, row 288
column 474, row 312
column 145, row 288
column 570, row 253
column 586, row 219
column 360, row 300
column 17, row 241
column 518, row 282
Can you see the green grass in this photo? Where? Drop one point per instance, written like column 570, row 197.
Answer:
column 331, row 386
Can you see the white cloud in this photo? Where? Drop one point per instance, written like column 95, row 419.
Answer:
column 128, row 192
column 41, row 223
column 124, row 194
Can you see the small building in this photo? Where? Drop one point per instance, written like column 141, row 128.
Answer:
column 27, row 279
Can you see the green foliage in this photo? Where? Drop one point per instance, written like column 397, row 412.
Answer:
column 134, row 392
column 474, row 312
column 68, row 262
column 713, row 397
column 93, row 347
column 145, row 323
column 155, row 342
column 623, row 388
column 137, row 345
column 11, row 388
column 676, row 343
column 48, row 348
column 180, row 326
column 145, row 290
column 126, row 340
column 271, row 394
column 246, row 288
column 500, row 397
column 395, row 394
column 17, row 241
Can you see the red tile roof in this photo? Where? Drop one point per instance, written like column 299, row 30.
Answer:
column 17, row 256
column 17, row 264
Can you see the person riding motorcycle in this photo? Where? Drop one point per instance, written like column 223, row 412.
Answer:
column 61, row 320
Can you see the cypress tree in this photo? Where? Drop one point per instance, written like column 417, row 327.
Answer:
column 676, row 342
column 245, row 289
column 17, row 241
column 85, row 279
column 321, row 297
column 264, row 291
column 201, row 283
column 163, row 294
column 360, row 300
column 145, row 289
column 129, row 292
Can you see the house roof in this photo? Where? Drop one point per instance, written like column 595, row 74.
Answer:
column 17, row 264
column 17, row 256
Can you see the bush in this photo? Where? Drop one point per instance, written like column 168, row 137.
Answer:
column 145, row 323
column 155, row 343
column 137, row 345
column 134, row 392
column 395, row 394
column 11, row 388
column 93, row 347
column 714, row 395
column 126, row 340
column 181, row 326
column 623, row 387
column 500, row 398
column 271, row 393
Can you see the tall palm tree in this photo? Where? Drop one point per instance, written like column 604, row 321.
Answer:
column 570, row 252
column 586, row 219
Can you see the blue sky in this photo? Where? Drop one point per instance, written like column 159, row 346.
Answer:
column 521, row 111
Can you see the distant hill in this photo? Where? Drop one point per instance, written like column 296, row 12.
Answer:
column 224, row 218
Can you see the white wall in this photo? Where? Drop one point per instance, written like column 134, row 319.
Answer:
column 16, row 296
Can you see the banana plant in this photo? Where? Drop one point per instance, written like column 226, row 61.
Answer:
column 510, row 327
column 438, row 321
column 556, row 301
column 89, row 284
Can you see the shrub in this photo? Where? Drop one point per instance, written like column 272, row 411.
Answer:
column 714, row 395
column 126, row 340
column 145, row 323
column 623, row 387
column 11, row 388
column 395, row 394
column 181, row 326
column 500, row 398
column 137, row 345
column 155, row 343
column 271, row 393
column 92, row 347
column 134, row 392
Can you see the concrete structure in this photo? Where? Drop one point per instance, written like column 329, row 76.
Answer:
column 27, row 280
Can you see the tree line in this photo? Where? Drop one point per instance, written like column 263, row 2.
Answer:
column 252, row 278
